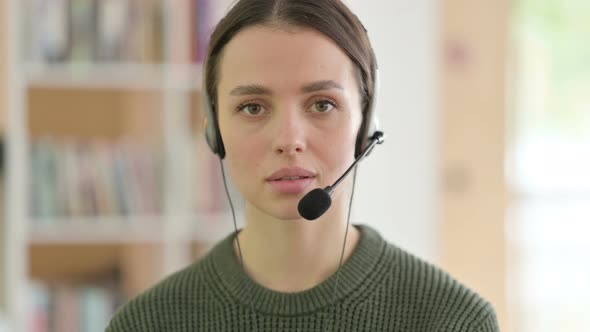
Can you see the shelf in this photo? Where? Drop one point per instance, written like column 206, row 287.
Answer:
column 90, row 230
column 206, row 228
column 69, row 262
column 213, row 227
column 126, row 76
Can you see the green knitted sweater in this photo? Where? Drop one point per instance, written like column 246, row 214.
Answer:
column 380, row 288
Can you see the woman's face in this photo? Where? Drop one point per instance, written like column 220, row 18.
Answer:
column 289, row 114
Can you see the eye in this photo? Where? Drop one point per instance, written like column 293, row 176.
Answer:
column 251, row 109
column 323, row 106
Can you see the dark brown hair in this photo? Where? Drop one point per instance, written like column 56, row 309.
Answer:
column 330, row 17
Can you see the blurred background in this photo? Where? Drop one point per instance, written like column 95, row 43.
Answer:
column 107, row 184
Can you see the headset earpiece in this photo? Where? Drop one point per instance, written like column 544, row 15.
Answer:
column 370, row 122
column 212, row 132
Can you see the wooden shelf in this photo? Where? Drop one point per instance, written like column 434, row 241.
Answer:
column 139, row 263
column 65, row 263
column 88, row 114
column 124, row 76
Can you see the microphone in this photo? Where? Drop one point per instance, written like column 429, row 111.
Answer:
column 318, row 201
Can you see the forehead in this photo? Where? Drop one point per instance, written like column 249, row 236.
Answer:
column 273, row 55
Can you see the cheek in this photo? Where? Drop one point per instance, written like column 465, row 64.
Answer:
column 339, row 153
column 243, row 153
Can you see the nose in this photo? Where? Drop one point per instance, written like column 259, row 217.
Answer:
column 290, row 134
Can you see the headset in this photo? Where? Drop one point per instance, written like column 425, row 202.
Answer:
column 369, row 125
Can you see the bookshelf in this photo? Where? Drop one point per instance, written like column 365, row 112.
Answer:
column 105, row 155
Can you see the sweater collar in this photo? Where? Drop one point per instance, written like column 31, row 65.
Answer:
column 361, row 265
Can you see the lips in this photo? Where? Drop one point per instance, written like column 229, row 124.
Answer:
column 292, row 180
column 290, row 173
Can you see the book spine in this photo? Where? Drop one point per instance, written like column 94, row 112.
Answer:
column 113, row 20
column 83, row 30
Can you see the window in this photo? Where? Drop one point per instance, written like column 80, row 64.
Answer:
column 549, row 167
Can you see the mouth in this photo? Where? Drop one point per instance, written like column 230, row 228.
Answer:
column 292, row 178
column 290, row 174
column 292, row 181
column 291, row 185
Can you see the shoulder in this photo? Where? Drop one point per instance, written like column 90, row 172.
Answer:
column 432, row 295
column 158, row 308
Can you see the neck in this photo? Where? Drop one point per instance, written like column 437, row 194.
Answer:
column 294, row 255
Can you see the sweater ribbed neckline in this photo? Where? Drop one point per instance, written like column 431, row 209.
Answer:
column 228, row 274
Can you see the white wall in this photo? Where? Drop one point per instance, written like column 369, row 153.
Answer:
column 397, row 186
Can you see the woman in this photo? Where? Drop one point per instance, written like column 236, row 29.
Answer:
column 290, row 87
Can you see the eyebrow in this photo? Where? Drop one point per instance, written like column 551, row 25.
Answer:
column 321, row 85
column 253, row 89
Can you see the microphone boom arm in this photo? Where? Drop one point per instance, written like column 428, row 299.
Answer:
column 377, row 138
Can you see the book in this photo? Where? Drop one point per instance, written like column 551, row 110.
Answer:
column 82, row 22
column 113, row 20
column 96, row 304
column 180, row 12
column 72, row 307
column 40, row 300
column 66, row 309
column 48, row 30
column 94, row 178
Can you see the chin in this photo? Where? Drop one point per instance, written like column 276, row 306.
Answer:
column 279, row 207
column 289, row 215
column 286, row 212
